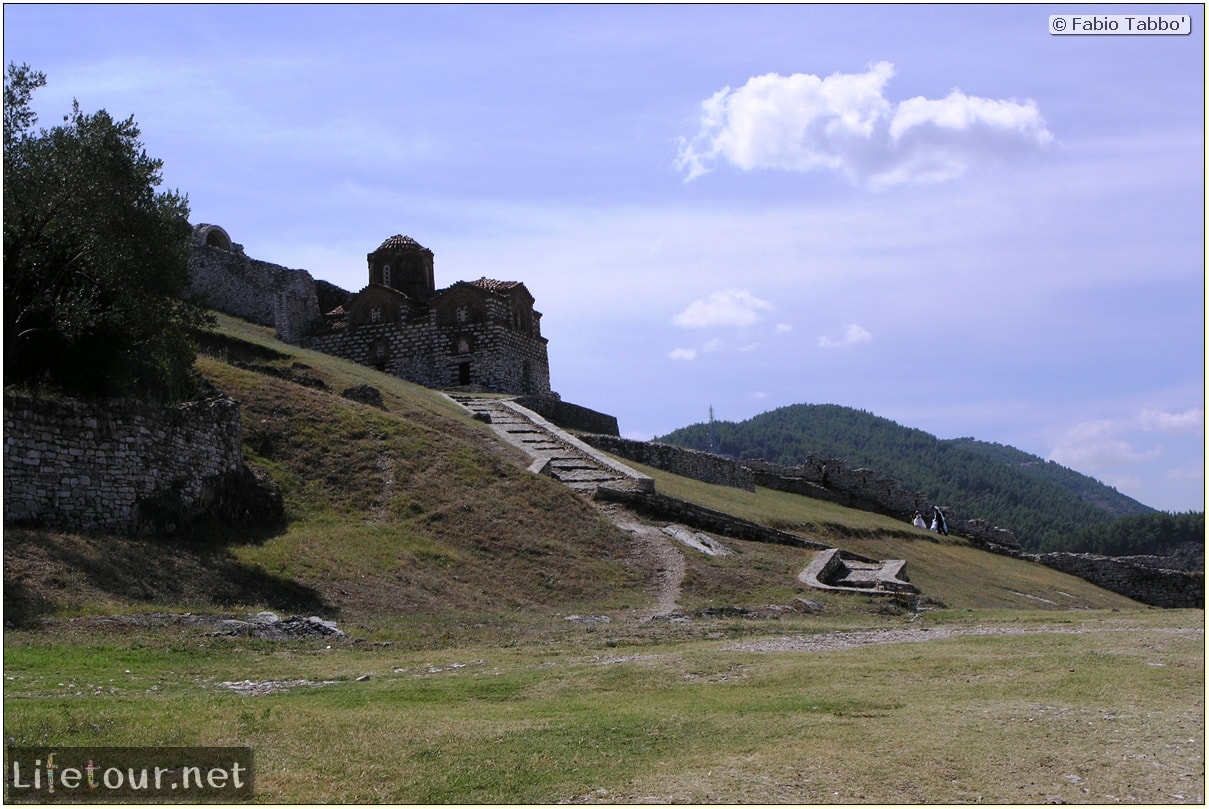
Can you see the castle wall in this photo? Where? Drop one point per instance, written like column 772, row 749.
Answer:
column 828, row 479
column 859, row 488
column 264, row 293
column 110, row 466
column 1149, row 585
column 687, row 463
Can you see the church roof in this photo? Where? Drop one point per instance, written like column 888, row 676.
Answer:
column 491, row 285
column 400, row 241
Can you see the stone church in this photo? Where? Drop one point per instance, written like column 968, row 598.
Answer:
column 482, row 335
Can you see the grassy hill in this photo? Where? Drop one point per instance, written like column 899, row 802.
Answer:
column 1044, row 503
column 418, row 511
column 500, row 647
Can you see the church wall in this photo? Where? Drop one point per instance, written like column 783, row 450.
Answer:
column 427, row 353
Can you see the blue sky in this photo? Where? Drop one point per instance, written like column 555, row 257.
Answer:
column 940, row 214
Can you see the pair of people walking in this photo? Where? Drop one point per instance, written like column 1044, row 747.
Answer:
column 939, row 524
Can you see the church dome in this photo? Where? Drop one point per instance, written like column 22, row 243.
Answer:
column 398, row 241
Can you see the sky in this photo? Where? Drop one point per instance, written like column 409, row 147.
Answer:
column 943, row 215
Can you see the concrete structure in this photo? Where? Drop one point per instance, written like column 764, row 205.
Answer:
column 847, row 572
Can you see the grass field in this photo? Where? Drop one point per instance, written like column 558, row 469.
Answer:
column 1084, row 707
column 498, row 649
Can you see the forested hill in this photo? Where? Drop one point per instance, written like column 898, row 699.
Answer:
column 1046, row 504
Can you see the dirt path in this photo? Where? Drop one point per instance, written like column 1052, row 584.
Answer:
column 656, row 551
column 385, row 465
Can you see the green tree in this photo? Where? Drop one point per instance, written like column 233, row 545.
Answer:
column 95, row 258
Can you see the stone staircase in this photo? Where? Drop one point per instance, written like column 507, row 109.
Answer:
column 554, row 451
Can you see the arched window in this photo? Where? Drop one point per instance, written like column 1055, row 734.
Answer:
column 386, row 274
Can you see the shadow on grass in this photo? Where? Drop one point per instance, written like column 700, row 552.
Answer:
column 46, row 571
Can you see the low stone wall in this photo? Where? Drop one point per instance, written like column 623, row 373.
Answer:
column 689, row 463
column 126, row 466
column 1149, row 585
column 828, row 479
column 831, row 479
column 858, row 488
column 662, row 507
column 570, row 416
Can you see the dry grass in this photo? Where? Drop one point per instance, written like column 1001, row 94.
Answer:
column 1096, row 707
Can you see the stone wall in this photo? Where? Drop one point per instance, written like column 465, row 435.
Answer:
column 420, row 351
column 662, row 507
column 124, row 465
column 264, row 293
column 1149, row 585
column 859, row 488
column 831, row 479
column 689, row 463
column 570, row 416
column 828, row 479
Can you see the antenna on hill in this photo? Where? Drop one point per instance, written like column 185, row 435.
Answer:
column 713, row 438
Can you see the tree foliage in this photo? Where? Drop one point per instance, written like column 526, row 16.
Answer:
column 95, row 258
column 1160, row 533
column 1044, row 503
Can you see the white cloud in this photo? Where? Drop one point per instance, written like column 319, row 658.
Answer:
column 1098, row 445
column 713, row 345
column 784, row 328
column 729, row 307
column 688, row 354
column 1189, row 421
column 845, row 123
column 1187, row 473
column 853, row 335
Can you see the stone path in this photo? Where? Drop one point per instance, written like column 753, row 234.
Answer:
column 554, row 451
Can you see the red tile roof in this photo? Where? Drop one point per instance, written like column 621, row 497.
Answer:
column 491, row 285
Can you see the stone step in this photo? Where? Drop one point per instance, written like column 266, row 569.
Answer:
column 552, row 450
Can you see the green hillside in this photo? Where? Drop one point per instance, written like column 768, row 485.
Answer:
column 1045, row 503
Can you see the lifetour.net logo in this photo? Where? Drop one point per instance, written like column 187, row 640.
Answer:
column 141, row 774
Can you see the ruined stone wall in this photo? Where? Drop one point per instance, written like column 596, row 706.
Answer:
column 269, row 294
column 828, row 479
column 1154, row 586
column 859, row 488
column 662, row 507
column 689, row 463
column 107, row 467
